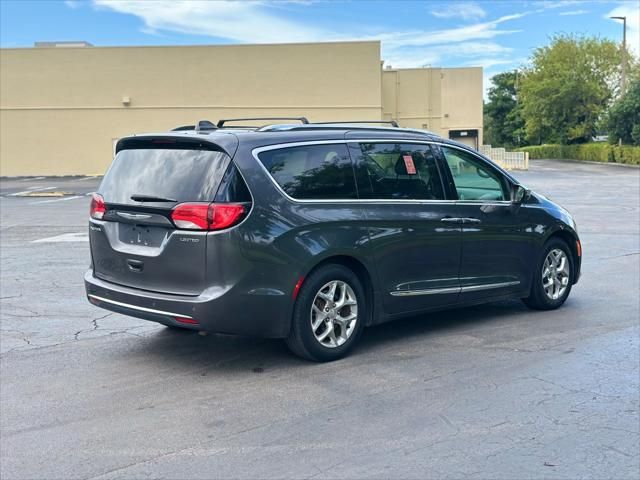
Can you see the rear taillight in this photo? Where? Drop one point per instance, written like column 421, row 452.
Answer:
column 97, row 208
column 225, row 215
column 189, row 320
column 194, row 216
column 207, row 216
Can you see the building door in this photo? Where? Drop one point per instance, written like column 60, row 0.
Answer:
column 468, row 137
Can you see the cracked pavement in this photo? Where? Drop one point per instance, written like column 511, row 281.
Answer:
column 493, row 391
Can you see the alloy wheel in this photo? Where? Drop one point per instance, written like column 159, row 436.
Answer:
column 334, row 313
column 555, row 274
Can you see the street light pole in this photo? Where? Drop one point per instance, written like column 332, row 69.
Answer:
column 623, row 79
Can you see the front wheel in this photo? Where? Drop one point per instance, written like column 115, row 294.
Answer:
column 553, row 277
column 329, row 314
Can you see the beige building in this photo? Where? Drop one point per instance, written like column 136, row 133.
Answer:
column 62, row 106
column 447, row 101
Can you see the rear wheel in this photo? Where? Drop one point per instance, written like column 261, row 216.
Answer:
column 329, row 314
column 553, row 277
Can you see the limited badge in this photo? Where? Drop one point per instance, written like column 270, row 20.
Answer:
column 408, row 163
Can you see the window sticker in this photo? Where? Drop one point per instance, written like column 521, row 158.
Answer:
column 408, row 163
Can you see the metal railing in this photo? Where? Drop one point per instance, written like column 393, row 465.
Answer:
column 508, row 160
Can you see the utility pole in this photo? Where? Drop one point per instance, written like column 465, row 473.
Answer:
column 623, row 79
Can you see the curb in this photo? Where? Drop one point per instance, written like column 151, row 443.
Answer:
column 588, row 162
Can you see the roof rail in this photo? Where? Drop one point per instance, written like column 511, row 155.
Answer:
column 221, row 123
column 341, row 126
column 183, row 128
column 393, row 123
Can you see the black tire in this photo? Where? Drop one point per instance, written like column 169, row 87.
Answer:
column 302, row 340
column 538, row 298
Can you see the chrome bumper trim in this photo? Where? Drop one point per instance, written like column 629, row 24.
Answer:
column 136, row 307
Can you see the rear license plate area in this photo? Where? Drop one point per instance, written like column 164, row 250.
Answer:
column 142, row 235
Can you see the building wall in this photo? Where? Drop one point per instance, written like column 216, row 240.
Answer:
column 62, row 108
column 437, row 99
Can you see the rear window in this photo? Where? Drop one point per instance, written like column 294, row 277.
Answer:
column 181, row 175
column 312, row 171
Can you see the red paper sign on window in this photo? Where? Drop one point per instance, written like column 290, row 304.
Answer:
column 408, row 163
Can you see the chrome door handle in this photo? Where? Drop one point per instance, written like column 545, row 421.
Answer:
column 451, row 220
column 471, row 220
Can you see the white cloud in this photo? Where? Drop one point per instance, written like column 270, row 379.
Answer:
column 419, row 48
column 464, row 10
column 247, row 21
column 489, row 63
column 255, row 22
column 632, row 12
column 468, row 53
column 573, row 12
column 553, row 4
column 260, row 21
column 477, row 31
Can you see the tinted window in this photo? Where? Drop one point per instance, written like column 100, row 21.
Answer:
column 232, row 188
column 398, row 171
column 473, row 180
column 182, row 175
column 312, row 171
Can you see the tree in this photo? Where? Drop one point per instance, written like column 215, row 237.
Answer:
column 504, row 126
column 568, row 87
column 623, row 120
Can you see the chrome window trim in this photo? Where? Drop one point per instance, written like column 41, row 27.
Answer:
column 468, row 288
column 141, row 309
column 257, row 151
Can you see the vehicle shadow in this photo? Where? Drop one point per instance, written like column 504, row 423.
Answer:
column 227, row 354
column 433, row 325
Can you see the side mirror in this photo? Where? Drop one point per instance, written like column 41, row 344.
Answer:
column 519, row 194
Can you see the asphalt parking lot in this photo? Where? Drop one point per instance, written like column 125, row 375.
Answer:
column 495, row 391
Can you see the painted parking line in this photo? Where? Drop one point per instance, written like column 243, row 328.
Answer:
column 29, row 179
column 31, row 190
column 64, row 199
column 65, row 237
column 91, row 177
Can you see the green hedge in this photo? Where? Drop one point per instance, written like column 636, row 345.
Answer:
column 593, row 152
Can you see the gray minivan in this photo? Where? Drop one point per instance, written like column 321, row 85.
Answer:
column 311, row 232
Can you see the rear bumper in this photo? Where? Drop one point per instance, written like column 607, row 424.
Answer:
column 215, row 310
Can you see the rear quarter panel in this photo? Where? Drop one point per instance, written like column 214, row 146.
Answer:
column 283, row 240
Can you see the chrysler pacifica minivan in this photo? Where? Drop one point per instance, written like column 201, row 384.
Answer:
column 311, row 232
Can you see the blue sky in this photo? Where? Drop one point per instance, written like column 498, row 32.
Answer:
column 497, row 35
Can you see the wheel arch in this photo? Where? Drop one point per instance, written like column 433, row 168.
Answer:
column 571, row 239
column 363, row 273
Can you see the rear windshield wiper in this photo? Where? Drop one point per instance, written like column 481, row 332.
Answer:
column 150, row 198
